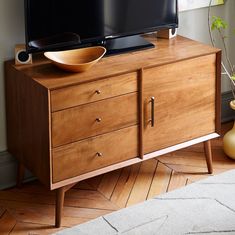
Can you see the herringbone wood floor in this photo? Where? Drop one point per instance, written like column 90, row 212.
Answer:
column 30, row 210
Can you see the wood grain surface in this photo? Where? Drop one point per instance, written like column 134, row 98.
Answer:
column 185, row 102
column 94, row 119
column 165, row 52
column 30, row 209
column 94, row 153
column 93, row 91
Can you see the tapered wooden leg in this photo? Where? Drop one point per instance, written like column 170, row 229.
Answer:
column 20, row 175
column 60, row 193
column 59, row 206
column 208, row 154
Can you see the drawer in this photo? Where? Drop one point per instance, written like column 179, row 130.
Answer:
column 93, row 91
column 94, row 153
column 93, row 119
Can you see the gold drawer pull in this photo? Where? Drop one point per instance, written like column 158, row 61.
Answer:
column 98, row 119
column 98, row 154
column 98, row 92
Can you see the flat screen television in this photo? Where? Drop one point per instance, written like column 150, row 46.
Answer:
column 115, row 24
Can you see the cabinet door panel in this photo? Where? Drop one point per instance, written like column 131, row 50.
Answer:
column 184, row 107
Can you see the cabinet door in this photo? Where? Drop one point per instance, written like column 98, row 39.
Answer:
column 183, row 102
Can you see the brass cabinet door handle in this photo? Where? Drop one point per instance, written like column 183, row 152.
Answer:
column 152, row 101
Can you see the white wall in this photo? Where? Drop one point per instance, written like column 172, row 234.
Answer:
column 193, row 24
column 231, row 19
column 11, row 33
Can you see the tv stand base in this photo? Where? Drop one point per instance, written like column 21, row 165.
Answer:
column 126, row 44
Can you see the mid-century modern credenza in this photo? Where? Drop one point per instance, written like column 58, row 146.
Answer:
column 67, row 127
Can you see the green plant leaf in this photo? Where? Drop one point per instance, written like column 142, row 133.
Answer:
column 233, row 77
column 218, row 23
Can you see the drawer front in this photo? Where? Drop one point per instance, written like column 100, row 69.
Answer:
column 94, row 153
column 89, row 120
column 93, row 91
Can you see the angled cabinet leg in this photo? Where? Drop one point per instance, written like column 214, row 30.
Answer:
column 20, row 175
column 60, row 193
column 208, row 154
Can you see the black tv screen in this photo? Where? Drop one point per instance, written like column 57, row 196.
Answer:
column 53, row 24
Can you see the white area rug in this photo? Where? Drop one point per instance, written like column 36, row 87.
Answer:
column 204, row 207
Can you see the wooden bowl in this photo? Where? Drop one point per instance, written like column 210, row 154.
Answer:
column 78, row 60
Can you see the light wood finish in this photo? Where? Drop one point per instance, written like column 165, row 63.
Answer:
column 108, row 183
column 142, row 184
column 30, row 228
column 124, row 185
column 208, row 153
column 44, row 73
column 94, row 153
column 184, row 102
column 160, row 181
column 94, row 119
column 86, row 93
column 52, row 123
column 177, row 181
column 28, row 122
column 133, row 161
column 77, row 60
column 31, row 208
column 141, row 113
column 180, row 146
